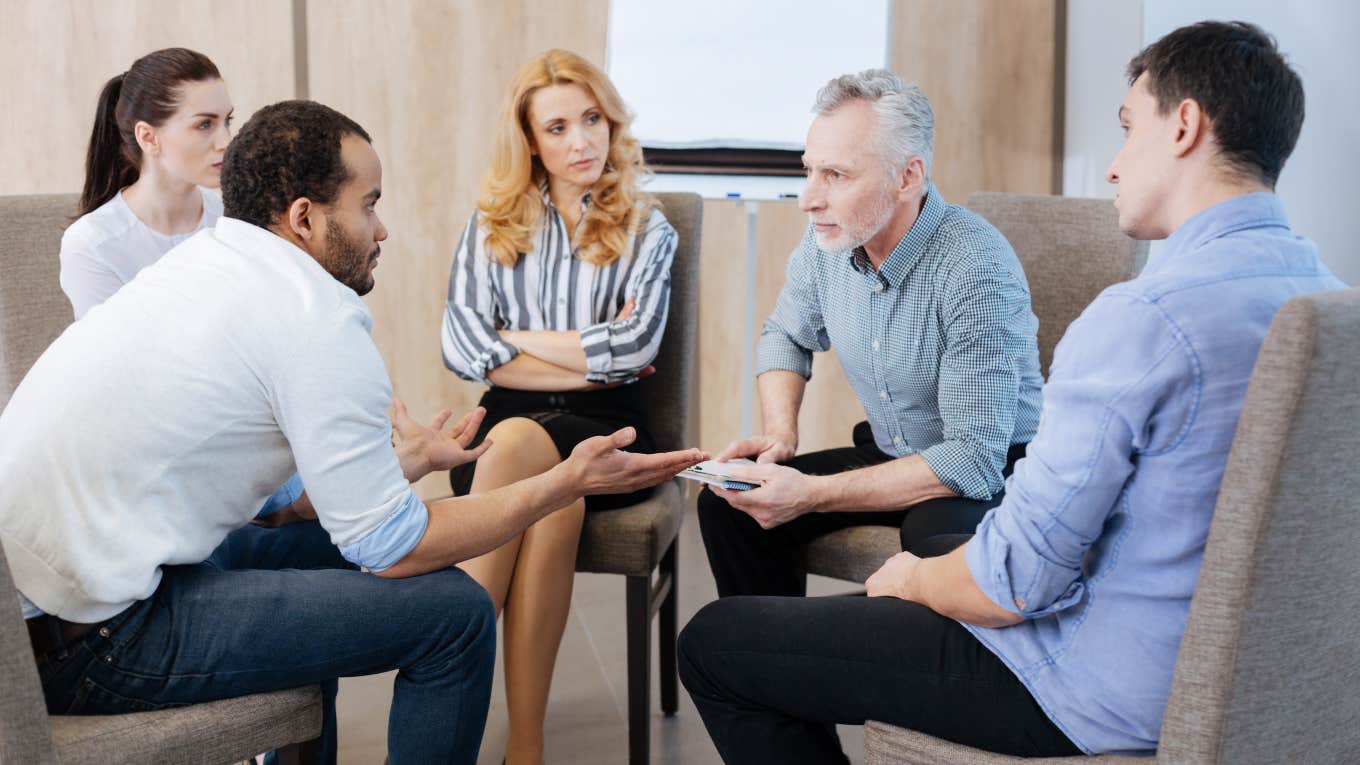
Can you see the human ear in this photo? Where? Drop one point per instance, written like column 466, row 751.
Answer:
column 303, row 219
column 912, row 177
column 147, row 138
column 1188, row 122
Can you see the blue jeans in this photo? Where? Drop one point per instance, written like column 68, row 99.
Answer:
column 240, row 623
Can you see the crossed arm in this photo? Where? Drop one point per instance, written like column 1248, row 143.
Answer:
column 548, row 360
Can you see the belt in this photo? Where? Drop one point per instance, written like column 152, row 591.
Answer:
column 50, row 634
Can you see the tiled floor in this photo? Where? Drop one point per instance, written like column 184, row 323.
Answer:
column 587, row 723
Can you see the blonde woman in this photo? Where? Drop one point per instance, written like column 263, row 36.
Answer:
column 557, row 300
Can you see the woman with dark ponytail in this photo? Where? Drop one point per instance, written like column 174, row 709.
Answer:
column 160, row 131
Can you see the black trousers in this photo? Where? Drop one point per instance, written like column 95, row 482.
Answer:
column 749, row 560
column 773, row 676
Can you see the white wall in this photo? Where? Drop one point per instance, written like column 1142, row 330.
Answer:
column 1102, row 35
column 1317, row 37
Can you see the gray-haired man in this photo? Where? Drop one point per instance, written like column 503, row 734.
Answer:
column 929, row 313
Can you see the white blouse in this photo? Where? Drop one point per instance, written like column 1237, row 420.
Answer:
column 104, row 249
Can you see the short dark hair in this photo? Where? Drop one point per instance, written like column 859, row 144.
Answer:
column 286, row 151
column 1252, row 97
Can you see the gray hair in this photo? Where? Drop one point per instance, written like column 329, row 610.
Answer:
column 906, row 123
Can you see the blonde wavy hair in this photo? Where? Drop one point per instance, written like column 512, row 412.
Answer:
column 511, row 204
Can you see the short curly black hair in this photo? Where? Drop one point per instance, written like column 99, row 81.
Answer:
column 286, row 151
column 1252, row 97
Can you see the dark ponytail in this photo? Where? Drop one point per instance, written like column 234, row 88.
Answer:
column 148, row 92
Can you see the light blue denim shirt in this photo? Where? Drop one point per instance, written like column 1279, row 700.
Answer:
column 1099, row 539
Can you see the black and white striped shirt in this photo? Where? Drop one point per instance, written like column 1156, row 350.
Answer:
column 551, row 289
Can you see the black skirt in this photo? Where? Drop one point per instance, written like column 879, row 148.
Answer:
column 569, row 418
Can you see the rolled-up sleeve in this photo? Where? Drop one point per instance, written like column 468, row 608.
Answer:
column 795, row 329
column 988, row 326
column 470, row 344
column 331, row 403
column 1104, row 408
column 619, row 350
column 286, row 495
column 392, row 539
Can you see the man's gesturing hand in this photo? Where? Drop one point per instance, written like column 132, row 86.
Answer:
column 597, row 466
column 424, row 449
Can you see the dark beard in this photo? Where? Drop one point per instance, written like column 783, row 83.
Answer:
column 350, row 262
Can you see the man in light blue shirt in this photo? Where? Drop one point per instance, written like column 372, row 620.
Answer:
column 1056, row 628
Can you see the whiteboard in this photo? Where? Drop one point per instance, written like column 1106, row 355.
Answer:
column 736, row 74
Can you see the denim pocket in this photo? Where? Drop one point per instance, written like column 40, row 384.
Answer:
column 94, row 699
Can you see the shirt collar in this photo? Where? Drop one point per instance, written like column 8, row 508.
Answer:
column 251, row 239
column 909, row 250
column 1259, row 210
column 547, row 200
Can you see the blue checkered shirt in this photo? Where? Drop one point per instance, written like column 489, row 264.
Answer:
column 938, row 344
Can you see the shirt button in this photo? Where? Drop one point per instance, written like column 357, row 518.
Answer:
column 104, row 632
column 897, row 441
column 875, row 345
column 883, row 394
column 561, row 301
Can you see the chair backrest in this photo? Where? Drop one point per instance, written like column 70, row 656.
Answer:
column 672, row 388
column 1269, row 665
column 1071, row 249
column 25, row 735
column 33, row 310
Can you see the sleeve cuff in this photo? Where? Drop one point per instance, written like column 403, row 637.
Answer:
column 286, row 495
column 392, row 539
column 773, row 352
column 498, row 354
column 989, row 560
column 595, row 343
column 956, row 466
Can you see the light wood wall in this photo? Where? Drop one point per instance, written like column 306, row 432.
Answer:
column 56, row 55
column 993, row 72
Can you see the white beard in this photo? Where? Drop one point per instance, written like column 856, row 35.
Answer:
column 860, row 229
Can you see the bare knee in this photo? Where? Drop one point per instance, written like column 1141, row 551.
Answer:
column 522, row 442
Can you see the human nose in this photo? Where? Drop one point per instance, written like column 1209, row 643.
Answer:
column 811, row 198
column 578, row 140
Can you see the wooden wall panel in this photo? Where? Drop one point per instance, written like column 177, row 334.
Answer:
column 992, row 71
column 722, row 329
column 55, row 55
column 426, row 78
